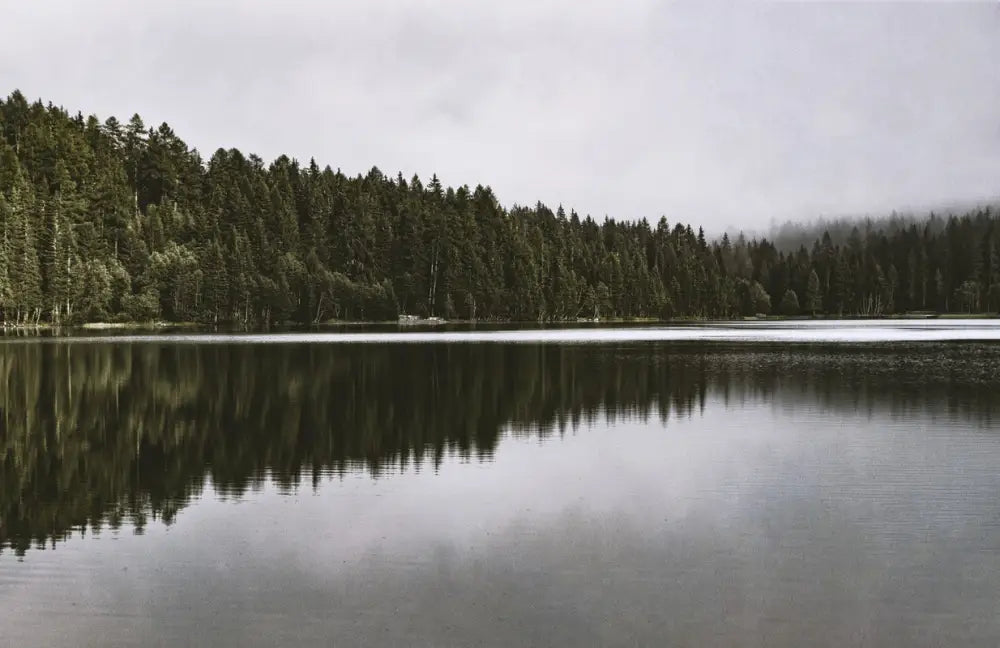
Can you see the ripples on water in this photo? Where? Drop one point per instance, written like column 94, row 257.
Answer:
column 640, row 491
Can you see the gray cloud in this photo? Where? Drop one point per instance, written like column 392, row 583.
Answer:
column 716, row 114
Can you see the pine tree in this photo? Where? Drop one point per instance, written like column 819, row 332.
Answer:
column 789, row 303
column 120, row 221
column 23, row 267
column 814, row 299
column 6, row 218
column 216, row 283
column 842, row 282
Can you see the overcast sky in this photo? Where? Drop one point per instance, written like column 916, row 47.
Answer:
column 719, row 115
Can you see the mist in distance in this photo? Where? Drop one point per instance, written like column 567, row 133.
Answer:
column 727, row 117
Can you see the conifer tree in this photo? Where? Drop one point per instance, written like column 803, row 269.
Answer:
column 814, row 300
column 116, row 220
column 789, row 303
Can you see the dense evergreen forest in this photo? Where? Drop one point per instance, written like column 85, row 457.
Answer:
column 120, row 221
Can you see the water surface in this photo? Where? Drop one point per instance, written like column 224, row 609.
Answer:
column 623, row 489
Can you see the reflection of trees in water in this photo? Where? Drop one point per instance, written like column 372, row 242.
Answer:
column 937, row 381
column 94, row 435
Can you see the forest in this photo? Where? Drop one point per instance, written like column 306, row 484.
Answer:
column 118, row 221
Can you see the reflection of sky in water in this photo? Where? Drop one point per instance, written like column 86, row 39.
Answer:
column 814, row 331
column 750, row 524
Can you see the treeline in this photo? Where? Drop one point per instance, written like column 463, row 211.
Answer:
column 792, row 235
column 118, row 221
column 942, row 265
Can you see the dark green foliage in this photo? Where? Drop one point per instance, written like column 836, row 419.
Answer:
column 789, row 303
column 814, row 295
column 125, row 222
column 994, row 298
column 753, row 298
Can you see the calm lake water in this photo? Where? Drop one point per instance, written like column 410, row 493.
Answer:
column 755, row 485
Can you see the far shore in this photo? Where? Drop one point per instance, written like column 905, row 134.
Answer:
column 165, row 326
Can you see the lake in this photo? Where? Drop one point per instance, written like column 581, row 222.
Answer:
column 758, row 484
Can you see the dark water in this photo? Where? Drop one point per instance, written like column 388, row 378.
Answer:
column 625, row 493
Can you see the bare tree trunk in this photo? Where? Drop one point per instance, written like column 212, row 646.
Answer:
column 432, row 294
column 319, row 310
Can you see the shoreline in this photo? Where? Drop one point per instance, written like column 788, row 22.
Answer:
column 163, row 326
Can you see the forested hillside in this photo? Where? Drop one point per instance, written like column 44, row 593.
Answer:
column 120, row 221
